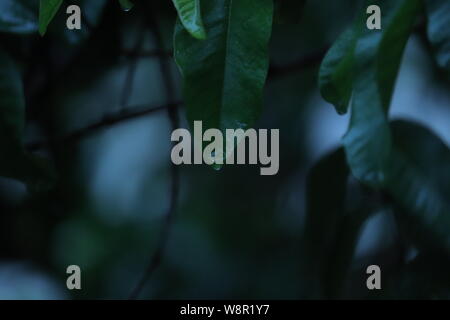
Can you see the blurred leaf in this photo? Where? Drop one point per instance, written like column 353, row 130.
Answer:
column 224, row 75
column 126, row 4
column 289, row 11
column 47, row 11
column 378, row 55
column 425, row 277
column 325, row 206
column 16, row 17
column 332, row 227
column 439, row 29
column 419, row 180
column 336, row 71
column 15, row 162
column 190, row 17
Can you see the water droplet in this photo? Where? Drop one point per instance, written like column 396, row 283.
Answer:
column 127, row 5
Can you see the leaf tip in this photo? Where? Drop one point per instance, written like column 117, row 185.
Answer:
column 198, row 33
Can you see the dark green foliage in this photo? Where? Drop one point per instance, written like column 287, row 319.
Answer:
column 53, row 88
column 419, row 180
column 370, row 61
column 336, row 71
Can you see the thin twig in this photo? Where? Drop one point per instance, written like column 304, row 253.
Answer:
column 169, row 84
column 131, row 72
column 107, row 121
column 275, row 71
column 315, row 58
column 137, row 111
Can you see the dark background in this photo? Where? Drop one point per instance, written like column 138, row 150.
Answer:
column 236, row 234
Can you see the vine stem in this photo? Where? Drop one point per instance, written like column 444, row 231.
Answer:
column 107, row 121
column 169, row 86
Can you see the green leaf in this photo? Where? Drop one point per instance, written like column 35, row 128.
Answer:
column 439, row 29
column 15, row 163
column 224, row 75
column 47, row 11
column 419, row 180
column 336, row 71
column 16, row 17
column 126, row 4
column 378, row 55
column 190, row 17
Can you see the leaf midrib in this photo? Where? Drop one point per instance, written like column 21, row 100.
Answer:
column 226, row 65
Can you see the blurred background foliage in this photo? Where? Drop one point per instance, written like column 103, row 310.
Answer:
column 236, row 234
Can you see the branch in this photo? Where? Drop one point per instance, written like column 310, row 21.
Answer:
column 169, row 84
column 130, row 76
column 315, row 58
column 275, row 71
column 107, row 121
column 138, row 111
